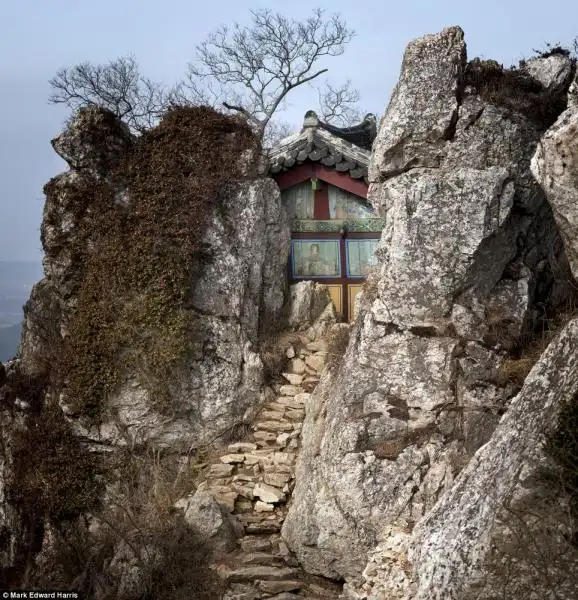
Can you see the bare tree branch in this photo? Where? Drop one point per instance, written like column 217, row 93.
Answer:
column 117, row 86
column 339, row 105
column 251, row 69
column 276, row 131
column 248, row 70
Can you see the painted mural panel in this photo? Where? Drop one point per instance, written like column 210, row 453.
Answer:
column 353, row 290
column 360, row 257
column 298, row 201
column 315, row 258
column 344, row 205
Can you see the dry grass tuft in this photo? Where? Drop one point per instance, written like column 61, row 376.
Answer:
column 168, row 559
column 337, row 345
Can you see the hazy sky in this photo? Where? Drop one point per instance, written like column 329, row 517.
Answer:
column 40, row 36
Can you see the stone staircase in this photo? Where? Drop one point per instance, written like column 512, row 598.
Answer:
column 254, row 481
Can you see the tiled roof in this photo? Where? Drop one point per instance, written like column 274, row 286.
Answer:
column 343, row 149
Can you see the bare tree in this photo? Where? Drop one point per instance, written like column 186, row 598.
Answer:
column 249, row 70
column 252, row 69
column 339, row 105
column 118, row 86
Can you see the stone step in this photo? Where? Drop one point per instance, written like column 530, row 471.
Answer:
column 271, row 467
column 297, row 366
column 317, row 346
column 263, row 507
column 241, row 447
column 277, row 587
column 278, row 480
column 275, row 426
column 288, row 596
column 269, row 493
column 264, row 527
column 276, row 406
column 290, row 390
column 295, row 415
column 289, row 402
column 272, row 415
column 297, row 401
column 267, row 573
column 258, row 543
column 244, row 477
column 265, row 436
column 261, row 517
column 232, row 458
column 316, row 362
column 219, row 470
column 262, row 558
column 270, row 445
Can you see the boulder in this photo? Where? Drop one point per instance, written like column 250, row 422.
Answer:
column 554, row 72
column 214, row 524
column 239, row 290
column 306, row 302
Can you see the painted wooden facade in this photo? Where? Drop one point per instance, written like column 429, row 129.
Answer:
column 322, row 174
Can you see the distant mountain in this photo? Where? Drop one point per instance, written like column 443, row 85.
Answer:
column 16, row 281
column 9, row 340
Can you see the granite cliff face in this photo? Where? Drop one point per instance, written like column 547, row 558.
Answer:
column 238, row 288
column 151, row 256
column 469, row 260
column 555, row 167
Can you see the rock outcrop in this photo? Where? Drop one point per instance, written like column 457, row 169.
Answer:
column 555, row 166
column 466, row 266
column 506, row 527
column 234, row 288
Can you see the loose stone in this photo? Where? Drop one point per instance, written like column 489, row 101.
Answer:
column 290, row 390
column 298, row 366
column 232, row 458
column 293, row 378
column 263, row 507
column 268, row 493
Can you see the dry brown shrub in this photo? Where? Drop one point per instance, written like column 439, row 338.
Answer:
column 172, row 561
column 515, row 90
column 273, row 352
column 519, row 363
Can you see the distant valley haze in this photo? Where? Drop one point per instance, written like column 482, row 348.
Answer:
column 16, row 281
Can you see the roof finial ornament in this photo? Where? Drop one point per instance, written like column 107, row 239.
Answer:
column 311, row 119
column 371, row 123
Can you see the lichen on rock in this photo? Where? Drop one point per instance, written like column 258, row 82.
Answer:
column 465, row 268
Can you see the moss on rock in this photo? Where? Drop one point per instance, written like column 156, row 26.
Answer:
column 138, row 249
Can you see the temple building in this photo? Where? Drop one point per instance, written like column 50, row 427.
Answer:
column 322, row 174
